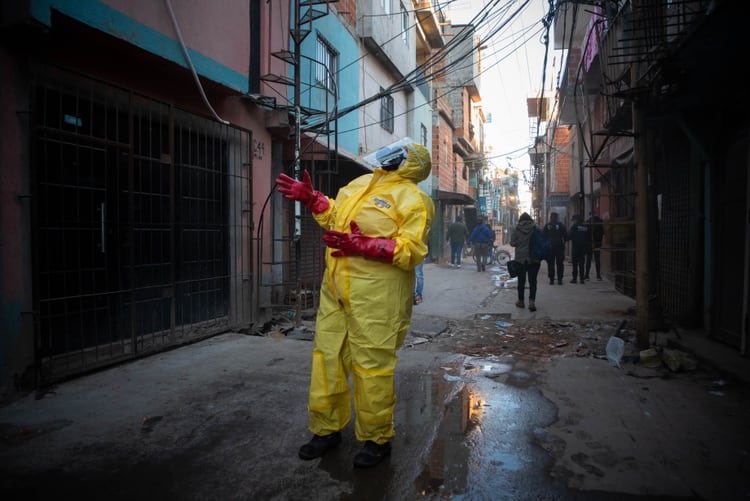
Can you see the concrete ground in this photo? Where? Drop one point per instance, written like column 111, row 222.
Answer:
column 632, row 430
column 223, row 418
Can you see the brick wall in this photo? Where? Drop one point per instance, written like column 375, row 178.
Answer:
column 560, row 180
column 442, row 148
column 348, row 9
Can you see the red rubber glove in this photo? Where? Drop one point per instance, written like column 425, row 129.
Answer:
column 302, row 191
column 356, row 244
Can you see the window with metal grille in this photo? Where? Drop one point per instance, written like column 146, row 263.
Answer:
column 325, row 69
column 423, row 134
column 386, row 111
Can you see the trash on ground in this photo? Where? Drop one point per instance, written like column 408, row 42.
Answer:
column 503, row 282
column 615, row 350
column 455, row 379
column 678, row 360
column 503, row 323
column 650, row 358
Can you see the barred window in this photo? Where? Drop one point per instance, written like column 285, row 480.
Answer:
column 326, row 67
column 423, row 134
column 386, row 111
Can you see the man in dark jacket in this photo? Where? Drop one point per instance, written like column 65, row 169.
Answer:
column 457, row 234
column 482, row 238
column 556, row 233
column 580, row 245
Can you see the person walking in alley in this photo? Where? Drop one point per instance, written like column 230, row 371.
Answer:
column 520, row 238
column 376, row 233
column 482, row 238
column 457, row 234
column 555, row 232
column 580, row 245
column 596, row 228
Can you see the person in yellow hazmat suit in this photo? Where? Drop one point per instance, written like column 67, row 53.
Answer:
column 376, row 233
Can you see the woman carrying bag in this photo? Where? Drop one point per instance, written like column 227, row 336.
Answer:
column 520, row 238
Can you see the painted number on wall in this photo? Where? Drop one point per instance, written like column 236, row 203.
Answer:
column 259, row 148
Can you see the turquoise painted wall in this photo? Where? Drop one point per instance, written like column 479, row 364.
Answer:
column 110, row 21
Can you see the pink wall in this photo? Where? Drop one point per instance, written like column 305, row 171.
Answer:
column 218, row 29
column 12, row 206
column 273, row 38
column 16, row 341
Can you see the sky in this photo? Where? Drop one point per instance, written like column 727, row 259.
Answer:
column 513, row 64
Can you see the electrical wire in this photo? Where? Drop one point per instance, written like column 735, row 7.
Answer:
column 456, row 61
column 190, row 63
column 488, row 18
column 412, row 78
column 447, row 89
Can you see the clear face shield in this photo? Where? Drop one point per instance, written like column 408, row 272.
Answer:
column 389, row 157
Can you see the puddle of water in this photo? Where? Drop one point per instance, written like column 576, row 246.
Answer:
column 485, row 448
column 472, row 436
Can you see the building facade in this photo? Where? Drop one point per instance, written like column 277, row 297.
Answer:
column 136, row 149
column 663, row 155
column 141, row 141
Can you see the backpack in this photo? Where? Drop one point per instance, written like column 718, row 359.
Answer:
column 540, row 248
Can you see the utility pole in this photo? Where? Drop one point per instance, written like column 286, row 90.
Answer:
column 642, row 284
column 297, row 37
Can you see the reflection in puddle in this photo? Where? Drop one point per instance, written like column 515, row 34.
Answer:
column 483, row 449
column 448, row 459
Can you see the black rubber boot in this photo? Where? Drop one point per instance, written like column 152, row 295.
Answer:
column 319, row 445
column 371, row 454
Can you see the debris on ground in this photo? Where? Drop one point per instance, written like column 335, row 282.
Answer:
column 543, row 339
column 489, row 335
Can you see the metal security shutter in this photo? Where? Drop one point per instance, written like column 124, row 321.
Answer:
column 675, row 295
column 138, row 216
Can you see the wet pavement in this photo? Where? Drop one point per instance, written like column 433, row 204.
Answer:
column 483, row 446
column 223, row 418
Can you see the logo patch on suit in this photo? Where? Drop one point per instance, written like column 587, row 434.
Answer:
column 379, row 202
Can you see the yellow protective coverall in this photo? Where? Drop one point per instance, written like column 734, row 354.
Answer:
column 365, row 305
